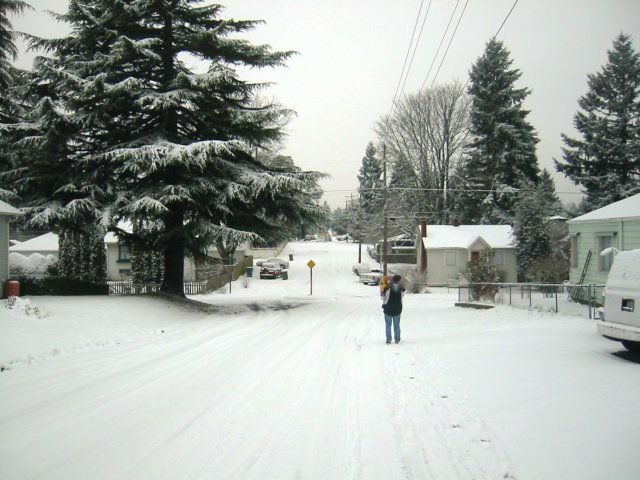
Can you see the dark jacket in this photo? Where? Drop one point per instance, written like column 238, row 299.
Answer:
column 392, row 298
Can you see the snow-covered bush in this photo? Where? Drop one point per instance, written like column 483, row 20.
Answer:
column 19, row 304
column 35, row 265
column 483, row 275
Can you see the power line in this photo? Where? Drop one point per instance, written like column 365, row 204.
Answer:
column 406, row 57
column 496, row 34
column 440, row 46
column 449, row 45
column 415, row 48
column 506, row 18
column 401, row 82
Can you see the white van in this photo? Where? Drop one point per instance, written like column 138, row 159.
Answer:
column 621, row 320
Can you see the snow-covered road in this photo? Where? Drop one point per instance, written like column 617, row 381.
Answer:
column 274, row 383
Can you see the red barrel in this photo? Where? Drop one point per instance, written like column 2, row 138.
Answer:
column 11, row 289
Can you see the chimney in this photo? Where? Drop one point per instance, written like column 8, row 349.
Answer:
column 456, row 222
column 423, row 228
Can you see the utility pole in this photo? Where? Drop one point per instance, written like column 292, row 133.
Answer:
column 357, row 216
column 385, row 211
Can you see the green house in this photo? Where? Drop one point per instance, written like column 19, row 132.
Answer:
column 7, row 212
column 615, row 226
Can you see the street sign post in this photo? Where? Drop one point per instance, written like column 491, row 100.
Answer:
column 311, row 264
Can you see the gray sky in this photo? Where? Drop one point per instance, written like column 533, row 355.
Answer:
column 351, row 54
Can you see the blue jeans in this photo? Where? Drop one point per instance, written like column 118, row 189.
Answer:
column 395, row 319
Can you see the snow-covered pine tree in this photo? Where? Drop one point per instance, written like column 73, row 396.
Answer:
column 502, row 151
column 370, row 181
column 82, row 255
column 531, row 236
column 549, row 198
column 605, row 161
column 53, row 188
column 10, row 108
column 8, row 49
column 161, row 143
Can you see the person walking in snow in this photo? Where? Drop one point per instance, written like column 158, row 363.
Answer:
column 392, row 307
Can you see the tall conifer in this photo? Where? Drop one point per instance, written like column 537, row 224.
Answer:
column 605, row 161
column 502, row 152
column 156, row 142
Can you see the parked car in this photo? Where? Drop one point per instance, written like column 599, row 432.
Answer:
column 359, row 268
column 270, row 270
column 621, row 320
column 259, row 261
column 372, row 277
column 284, row 264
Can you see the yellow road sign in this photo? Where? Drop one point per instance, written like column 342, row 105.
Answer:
column 311, row 264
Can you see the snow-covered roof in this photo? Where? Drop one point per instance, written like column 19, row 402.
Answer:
column 111, row 237
column 626, row 209
column 464, row 236
column 6, row 209
column 44, row 243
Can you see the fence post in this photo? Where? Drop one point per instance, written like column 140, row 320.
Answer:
column 509, row 294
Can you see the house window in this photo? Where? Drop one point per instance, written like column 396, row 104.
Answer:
column 451, row 258
column 124, row 254
column 498, row 257
column 574, row 251
column 604, row 241
column 475, row 256
column 124, row 272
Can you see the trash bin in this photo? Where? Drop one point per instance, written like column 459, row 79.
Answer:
column 249, row 271
column 11, row 289
column 285, row 275
column 290, row 257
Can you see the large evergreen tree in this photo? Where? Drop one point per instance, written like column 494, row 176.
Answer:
column 605, row 161
column 11, row 108
column 153, row 141
column 548, row 196
column 370, row 181
column 502, row 152
column 8, row 49
column 532, row 239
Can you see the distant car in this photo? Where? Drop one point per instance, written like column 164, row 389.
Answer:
column 270, row 270
column 284, row 264
column 372, row 277
column 259, row 261
column 360, row 268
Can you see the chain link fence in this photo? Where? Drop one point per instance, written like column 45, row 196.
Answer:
column 563, row 297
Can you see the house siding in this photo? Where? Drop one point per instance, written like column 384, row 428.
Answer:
column 626, row 236
column 439, row 273
column 114, row 265
column 4, row 249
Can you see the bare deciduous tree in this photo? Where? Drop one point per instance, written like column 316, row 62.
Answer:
column 425, row 137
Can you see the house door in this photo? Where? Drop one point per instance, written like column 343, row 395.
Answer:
column 475, row 256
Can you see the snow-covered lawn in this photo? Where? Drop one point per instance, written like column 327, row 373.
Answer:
column 269, row 382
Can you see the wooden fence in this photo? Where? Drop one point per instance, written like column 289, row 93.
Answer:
column 190, row 288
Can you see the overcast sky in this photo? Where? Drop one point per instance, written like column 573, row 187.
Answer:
column 351, row 55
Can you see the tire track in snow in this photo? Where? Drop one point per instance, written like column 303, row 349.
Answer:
column 431, row 419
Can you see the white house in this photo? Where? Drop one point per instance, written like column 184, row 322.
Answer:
column 443, row 251
column 616, row 225
column 46, row 244
column 7, row 212
column 118, row 255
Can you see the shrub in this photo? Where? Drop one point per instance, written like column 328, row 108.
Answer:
column 482, row 275
column 60, row 286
